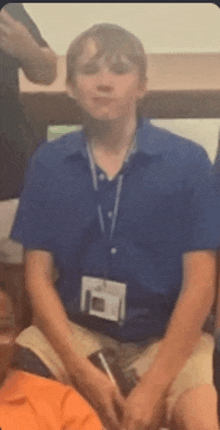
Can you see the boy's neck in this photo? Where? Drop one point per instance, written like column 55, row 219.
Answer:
column 110, row 149
column 112, row 137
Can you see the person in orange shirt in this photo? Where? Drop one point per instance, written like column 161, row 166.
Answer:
column 28, row 401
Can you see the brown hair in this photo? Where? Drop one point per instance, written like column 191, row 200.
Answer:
column 12, row 283
column 111, row 39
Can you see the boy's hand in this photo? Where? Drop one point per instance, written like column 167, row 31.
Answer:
column 144, row 409
column 102, row 395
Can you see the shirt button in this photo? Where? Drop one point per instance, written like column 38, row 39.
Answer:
column 101, row 177
column 113, row 251
column 110, row 214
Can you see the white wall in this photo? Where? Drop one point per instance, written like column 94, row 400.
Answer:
column 162, row 27
column 206, row 132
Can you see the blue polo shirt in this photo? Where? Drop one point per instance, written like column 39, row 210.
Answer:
column 166, row 209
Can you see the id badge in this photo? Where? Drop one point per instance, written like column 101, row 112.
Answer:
column 103, row 298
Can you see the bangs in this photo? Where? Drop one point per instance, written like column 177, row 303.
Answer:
column 113, row 52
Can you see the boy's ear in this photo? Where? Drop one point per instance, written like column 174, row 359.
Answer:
column 70, row 89
column 143, row 88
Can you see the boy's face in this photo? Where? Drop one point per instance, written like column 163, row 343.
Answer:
column 106, row 90
column 8, row 334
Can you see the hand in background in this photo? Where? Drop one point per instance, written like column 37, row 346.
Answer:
column 15, row 39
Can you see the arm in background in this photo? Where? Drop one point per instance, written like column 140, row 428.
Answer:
column 21, row 39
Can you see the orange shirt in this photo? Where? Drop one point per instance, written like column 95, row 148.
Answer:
column 30, row 402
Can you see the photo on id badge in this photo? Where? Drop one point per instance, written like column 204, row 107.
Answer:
column 103, row 298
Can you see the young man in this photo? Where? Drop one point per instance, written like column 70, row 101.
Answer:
column 216, row 355
column 29, row 401
column 216, row 367
column 21, row 46
column 124, row 212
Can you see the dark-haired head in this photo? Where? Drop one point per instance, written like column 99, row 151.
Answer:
column 12, row 297
column 15, row 295
column 8, row 328
column 13, row 318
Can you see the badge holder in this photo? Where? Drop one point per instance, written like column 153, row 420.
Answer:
column 103, row 298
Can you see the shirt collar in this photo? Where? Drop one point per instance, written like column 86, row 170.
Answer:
column 13, row 389
column 149, row 138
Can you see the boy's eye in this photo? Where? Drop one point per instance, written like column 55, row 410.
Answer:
column 120, row 68
column 90, row 69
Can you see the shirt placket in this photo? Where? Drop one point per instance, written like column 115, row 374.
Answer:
column 107, row 194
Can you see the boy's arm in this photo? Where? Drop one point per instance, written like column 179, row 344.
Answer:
column 217, row 317
column 183, row 333
column 192, row 308
column 52, row 320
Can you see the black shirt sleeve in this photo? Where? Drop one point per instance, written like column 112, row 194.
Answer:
column 18, row 12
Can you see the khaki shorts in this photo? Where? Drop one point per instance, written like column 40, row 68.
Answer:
column 196, row 372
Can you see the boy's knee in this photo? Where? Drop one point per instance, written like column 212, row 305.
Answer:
column 196, row 409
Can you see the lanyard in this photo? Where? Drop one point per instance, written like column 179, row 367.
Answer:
column 118, row 192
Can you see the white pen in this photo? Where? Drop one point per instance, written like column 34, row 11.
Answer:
column 106, row 367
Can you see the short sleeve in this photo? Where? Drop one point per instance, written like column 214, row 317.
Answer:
column 32, row 226
column 78, row 414
column 203, row 220
column 18, row 12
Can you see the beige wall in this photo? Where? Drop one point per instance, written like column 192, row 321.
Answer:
column 162, row 27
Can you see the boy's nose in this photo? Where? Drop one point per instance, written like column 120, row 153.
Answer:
column 105, row 80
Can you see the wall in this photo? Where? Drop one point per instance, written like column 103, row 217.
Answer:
column 162, row 27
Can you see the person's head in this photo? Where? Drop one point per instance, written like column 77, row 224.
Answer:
column 106, row 71
column 10, row 323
